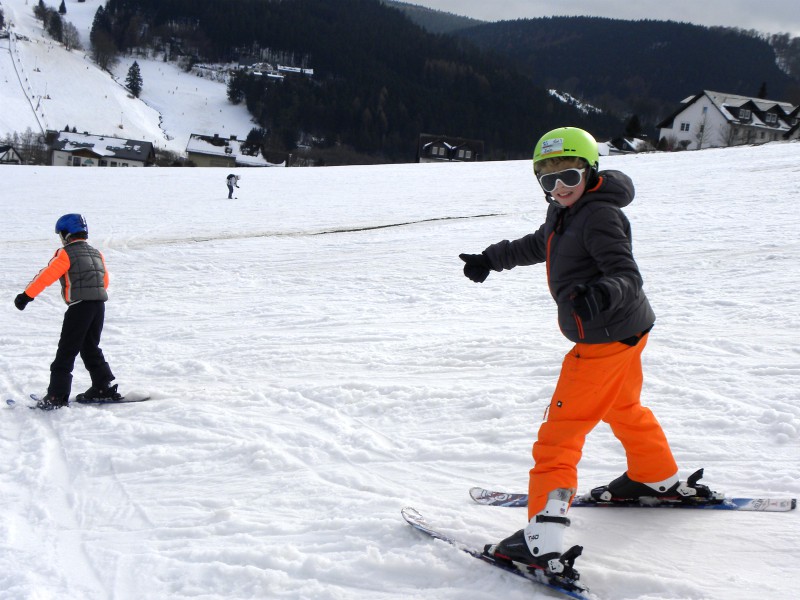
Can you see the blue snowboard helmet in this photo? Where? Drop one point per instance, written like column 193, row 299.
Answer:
column 71, row 224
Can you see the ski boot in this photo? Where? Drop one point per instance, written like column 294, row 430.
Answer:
column 537, row 548
column 100, row 394
column 52, row 402
column 625, row 490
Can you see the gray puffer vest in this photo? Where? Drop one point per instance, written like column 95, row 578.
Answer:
column 84, row 279
column 589, row 243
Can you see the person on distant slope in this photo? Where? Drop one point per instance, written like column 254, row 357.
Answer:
column 84, row 280
column 233, row 182
column 585, row 243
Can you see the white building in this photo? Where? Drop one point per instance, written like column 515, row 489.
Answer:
column 217, row 151
column 713, row 119
column 84, row 150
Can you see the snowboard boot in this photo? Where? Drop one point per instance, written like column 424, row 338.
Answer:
column 52, row 402
column 625, row 488
column 539, row 546
column 101, row 394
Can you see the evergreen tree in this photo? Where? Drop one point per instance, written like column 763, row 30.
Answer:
column 134, row 80
column 633, row 128
column 40, row 10
column 762, row 91
column 62, row 10
column 104, row 50
column 54, row 25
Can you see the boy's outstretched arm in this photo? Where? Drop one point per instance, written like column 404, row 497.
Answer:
column 57, row 266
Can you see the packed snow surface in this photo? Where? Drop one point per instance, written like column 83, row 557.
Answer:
column 318, row 361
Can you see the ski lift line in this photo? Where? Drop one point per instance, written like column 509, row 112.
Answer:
column 12, row 42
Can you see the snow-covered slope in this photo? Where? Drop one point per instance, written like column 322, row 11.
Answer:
column 318, row 361
column 45, row 86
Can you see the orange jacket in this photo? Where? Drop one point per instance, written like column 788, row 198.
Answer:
column 59, row 268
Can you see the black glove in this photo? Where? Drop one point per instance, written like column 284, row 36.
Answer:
column 21, row 301
column 476, row 267
column 588, row 301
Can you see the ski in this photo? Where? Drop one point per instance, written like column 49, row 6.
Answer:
column 492, row 498
column 565, row 587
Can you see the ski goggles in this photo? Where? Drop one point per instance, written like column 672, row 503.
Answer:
column 568, row 177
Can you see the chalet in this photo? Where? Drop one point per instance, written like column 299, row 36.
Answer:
column 9, row 156
column 85, row 150
column 216, row 151
column 713, row 119
column 440, row 148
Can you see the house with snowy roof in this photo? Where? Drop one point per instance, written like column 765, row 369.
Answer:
column 441, row 148
column 9, row 156
column 217, row 151
column 71, row 149
column 713, row 119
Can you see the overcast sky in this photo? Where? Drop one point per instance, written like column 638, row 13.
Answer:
column 771, row 16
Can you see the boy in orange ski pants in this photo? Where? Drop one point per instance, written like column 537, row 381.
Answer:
column 598, row 382
column 586, row 244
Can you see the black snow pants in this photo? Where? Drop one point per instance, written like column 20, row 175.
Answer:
column 80, row 334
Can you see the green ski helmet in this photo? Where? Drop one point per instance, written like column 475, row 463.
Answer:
column 567, row 141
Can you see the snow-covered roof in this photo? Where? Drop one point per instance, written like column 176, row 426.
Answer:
column 214, row 145
column 104, row 146
column 724, row 103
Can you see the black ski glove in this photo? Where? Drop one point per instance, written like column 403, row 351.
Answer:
column 21, row 301
column 588, row 301
column 476, row 267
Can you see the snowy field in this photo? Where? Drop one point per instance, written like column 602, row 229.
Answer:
column 318, row 361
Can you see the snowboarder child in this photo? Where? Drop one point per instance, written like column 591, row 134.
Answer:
column 233, row 182
column 585, row 242
column 84, row 280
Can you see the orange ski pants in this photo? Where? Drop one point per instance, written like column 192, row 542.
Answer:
column 598, row 382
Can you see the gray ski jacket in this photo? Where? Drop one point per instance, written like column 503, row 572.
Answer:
column 589, row 243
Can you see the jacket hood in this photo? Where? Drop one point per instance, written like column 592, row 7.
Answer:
column 613, row 186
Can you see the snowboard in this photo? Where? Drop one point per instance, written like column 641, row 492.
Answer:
column 79, row 399
column 567, row 588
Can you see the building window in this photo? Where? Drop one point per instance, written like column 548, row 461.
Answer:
column 461, row 153
column 103, row 162
column 705, row 110
column 468, row 154
column 113, row 163
column 76, row 161
column 744, row 114
column 684, row 126
column 771, row 119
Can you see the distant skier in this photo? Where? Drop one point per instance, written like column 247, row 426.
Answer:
column 84, row 280
column 585, row 242
column 233, row 182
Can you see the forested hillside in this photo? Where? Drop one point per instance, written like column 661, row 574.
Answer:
column 435, row 21
column 379, row 80
column 636, row 67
